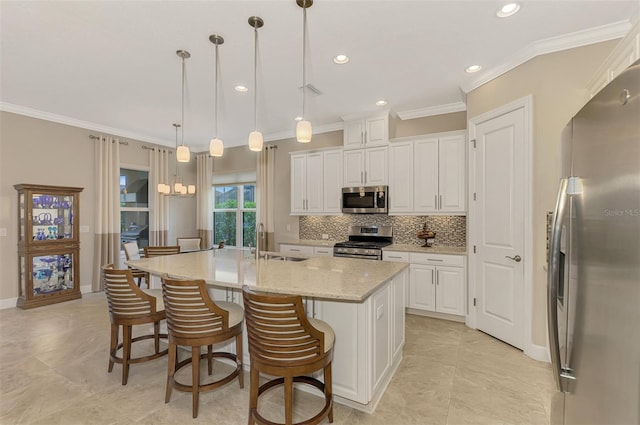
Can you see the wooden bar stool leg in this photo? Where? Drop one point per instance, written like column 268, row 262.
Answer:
column 327, row 389
column 254, row 382
column 114, row 344
column 288, row 400
column 126, row 352
column 173, row 360
column 195, row 376
column 210, row 358
column 239, row 360
column 156, row 336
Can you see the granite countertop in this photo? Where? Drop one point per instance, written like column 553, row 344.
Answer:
column 309, row 242
column 329, row 278
column 450, row 250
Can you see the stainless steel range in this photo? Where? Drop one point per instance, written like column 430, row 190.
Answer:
column 365, row 242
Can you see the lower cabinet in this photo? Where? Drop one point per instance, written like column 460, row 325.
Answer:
column 318, row 251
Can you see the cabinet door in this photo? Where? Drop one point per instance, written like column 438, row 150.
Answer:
column 353, row 167
column 399, row 288
column 422, row 288
column 353, row 134
column 425, row 165
column 452, row 174
column 401, row 177
column 376, row 130
column 298, row 184
column 450, row 290
column 315, row 187
column 332, row 164
column 296, row 249
column 381, row 334
column 376, row 163
column 323, row 251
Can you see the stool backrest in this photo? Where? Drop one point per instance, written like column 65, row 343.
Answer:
column 191, row 313
column 124, row 297
column 189, row 244
column 278, row 330
column 157, row 251
column 131, row 250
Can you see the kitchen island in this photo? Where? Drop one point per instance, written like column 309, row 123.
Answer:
column 362, row 300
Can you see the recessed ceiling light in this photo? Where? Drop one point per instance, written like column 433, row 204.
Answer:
column 341, row 59
column 381, row 103
column 241, row 88
column 473, row 68
column 507, row 10
column 298, row 118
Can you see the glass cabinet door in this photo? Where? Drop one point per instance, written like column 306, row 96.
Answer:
column 52, row 273
column 52, row 217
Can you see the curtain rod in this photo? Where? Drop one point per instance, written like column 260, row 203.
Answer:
column 91, row 136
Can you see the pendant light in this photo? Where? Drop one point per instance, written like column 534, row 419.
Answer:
column 216, row 146
column 255, row 137
column 182, row 152
column 303, row 129
column 177, row 179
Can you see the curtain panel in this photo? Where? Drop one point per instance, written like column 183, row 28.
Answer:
column 106, row 248
column 265, row 177
column 204, row 201
column 159, row 211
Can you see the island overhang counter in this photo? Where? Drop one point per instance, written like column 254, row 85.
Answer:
column 362, row 300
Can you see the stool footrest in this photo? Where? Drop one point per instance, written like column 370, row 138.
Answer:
column 134, row 360
column 215, row 384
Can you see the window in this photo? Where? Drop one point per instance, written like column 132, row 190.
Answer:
column 234, row 216
column 134, row 206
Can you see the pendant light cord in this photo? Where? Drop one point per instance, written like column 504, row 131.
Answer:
column 255, row 78
column 304, row 55
column 215, row 120
column 182, row 119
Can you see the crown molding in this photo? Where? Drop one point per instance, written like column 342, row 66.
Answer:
column 60, row 119
column 550, row 45
column 432, row 110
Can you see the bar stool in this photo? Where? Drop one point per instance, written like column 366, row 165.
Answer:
column 156, row 251
column 132, row 252
column 194, row 320
column 129, row 306
column 285, row 344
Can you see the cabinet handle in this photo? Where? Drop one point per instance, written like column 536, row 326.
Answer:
column 362, row 138
column 365, row 176
column 294, row 249
column 440, row 206
column 361, row 178
column 434, row 259
column 435, row 201
column 365, row 137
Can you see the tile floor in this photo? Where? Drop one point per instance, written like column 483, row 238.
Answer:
column 53, row 370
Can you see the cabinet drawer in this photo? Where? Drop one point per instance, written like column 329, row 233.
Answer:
column 399, row 257
column 437, row 259
column 325, row 251
column 296, row 249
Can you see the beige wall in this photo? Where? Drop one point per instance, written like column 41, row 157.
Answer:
column 43, row 152
column 557, row 82
column 433, row 124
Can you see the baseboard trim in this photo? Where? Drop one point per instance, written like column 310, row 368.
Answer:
column 86, row 289
column 8, row 303
column 537, row 352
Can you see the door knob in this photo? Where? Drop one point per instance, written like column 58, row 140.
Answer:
column 517, row 258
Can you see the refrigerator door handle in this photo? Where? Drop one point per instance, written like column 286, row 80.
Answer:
column 553, row 278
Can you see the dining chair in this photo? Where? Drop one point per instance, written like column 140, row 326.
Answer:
column 157, row 251
column 189, row 244
column 130, row 306
column 195, row 320
column 132, row 252
column 288, row 347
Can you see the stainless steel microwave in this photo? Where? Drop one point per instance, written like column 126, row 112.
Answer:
column 365, row 200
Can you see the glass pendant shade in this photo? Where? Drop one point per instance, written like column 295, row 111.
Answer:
column 303, row 131
column 255, row 141
column 160, row 187
column 216, row 147
column 177, row 187
column 183, row 154
column 191, row 189
column 167, row 189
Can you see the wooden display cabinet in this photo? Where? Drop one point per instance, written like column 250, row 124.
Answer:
column 48, row 244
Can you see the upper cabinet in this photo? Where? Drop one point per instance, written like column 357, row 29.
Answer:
column 367, row 131
column 366, row 167
column 316, row 182
column 428, row 175
column 624, row 54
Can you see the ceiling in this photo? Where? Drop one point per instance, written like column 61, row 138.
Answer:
column 111, row 66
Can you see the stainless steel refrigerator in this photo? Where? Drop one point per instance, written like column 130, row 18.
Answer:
column 594, row 261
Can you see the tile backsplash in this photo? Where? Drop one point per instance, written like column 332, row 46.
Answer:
column 450, row 230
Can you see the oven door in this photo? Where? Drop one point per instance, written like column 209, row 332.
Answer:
column 365, row 200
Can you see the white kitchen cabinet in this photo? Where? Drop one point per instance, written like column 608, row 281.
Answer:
column 296, row 249
column 428, row 175
column 316, row 182
column 323, row 251
column 422, row 287
column 450, row 290
column 398, row 299
column 365, row 132
column 366, row 167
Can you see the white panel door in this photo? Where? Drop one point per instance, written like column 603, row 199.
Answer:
column 376, row 166
column 401, row 177
column 332, row 164
column 353, row 134
column 298, row 184
column 499, row 179
column 353, row 167
column 315, row 180
column 450, row 290
column 452, row 176
column 425, row 190
column 377, row 130
column 422, row 287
